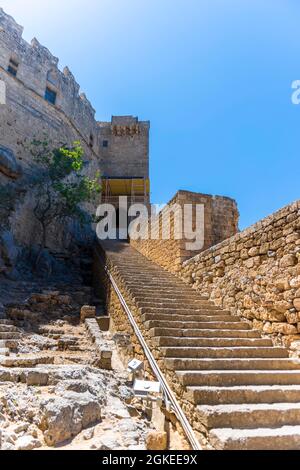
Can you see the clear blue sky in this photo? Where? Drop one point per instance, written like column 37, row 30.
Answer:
column 213, row 76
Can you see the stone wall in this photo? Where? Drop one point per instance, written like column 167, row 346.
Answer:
column 27, row 114
column 220, row 222
column 128, row 343
column 120, row 147
column 256, row 274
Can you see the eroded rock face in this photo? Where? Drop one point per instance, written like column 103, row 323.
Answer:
column 78, row 409
column 9, row 250
column 8, row 163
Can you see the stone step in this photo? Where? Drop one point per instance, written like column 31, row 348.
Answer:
column 7, row 328
column 232, row 364
column 175, row 297
column 147, row 271
column 152, row 296
column 206, row 324
column 9, row 335
column 160, row 289
column 188, row 304
column 151, row 283
column 8, row 343
column 149, row 274
column 210, row 342
column 28, row 361
column 176, row 286
column 186, row 311
column 4, row 321
column 232, row 378
column 225, row 352
column 280, row 438
column 249, row 416
column 183, row 318
column 203, row 330
column 243, row 394
column 182, row 304
column 137, row 267
column 204, row 333
column 4, row 352
column 222, row 364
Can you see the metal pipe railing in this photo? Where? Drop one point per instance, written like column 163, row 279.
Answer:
column 189, row 432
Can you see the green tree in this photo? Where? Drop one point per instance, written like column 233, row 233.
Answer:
column 60, row 189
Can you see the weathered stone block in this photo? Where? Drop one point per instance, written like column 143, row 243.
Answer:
column 288, row 260
column 282, row 306
column 284, row 328
column 295, row 282
column 87, row 311
column 157, row 441
column 297, row 304
column 292, row 317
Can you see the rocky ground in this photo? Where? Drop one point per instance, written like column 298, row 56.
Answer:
column 52, row 392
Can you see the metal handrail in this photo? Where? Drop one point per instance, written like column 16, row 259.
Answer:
column 189, row 432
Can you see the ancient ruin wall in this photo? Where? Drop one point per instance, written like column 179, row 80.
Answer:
column 256, row 274
column 220, row 222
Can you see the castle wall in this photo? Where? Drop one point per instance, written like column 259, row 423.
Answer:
column 28, row 70
column 27, row 114
column 220, row 222
column 256, row 274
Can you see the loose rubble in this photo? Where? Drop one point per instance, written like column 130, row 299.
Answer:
column 56, row 386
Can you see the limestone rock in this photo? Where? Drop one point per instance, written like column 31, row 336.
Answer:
column 63, row 418
column 157, row 440
column 288, row 260
column 295, row 346
column 284, row 328
column 295, row 282
column 8, row 163
column 282, row 284
column 27, row 443
column 87, row 312
column 282, row 306
column 9, row 250
column 292, row 317
column 297, row 304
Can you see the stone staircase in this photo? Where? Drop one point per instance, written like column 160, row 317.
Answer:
column 9, row 337
column 244, row 392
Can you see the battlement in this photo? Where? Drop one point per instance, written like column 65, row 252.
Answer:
column 123, row 137
column 7, row 22
column 37, row 68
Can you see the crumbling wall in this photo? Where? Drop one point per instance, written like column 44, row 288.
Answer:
column 220, row 222
column 256, row 274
